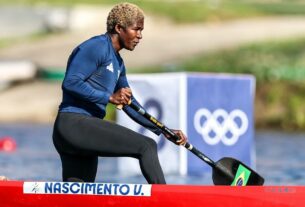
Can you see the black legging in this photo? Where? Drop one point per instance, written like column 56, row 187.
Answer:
column 80, row 139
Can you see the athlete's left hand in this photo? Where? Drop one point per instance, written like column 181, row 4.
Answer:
column 180, row 134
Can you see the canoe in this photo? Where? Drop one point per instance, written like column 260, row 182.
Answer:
column 11, row 71
column 15, row 71
column 69, row 194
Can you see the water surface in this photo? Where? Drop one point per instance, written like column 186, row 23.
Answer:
column 280, row 158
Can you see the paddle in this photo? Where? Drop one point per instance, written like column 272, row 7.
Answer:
column 226, row 171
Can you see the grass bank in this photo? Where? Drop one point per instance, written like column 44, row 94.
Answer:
column 279, row 68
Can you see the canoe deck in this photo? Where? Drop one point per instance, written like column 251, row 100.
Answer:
column 53, row 194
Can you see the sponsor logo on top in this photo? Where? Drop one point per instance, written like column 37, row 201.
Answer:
column 110, row 67
column 220, row 125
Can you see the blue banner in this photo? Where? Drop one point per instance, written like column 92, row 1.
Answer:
column 220, row 118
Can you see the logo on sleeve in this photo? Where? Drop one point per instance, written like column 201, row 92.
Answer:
column 110, row 67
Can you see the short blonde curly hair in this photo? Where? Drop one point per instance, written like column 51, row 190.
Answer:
column 123, row 14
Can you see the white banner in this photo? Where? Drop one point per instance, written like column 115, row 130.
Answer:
column 114, row 189
column 160, row 95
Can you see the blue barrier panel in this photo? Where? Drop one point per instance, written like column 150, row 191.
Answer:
column 220, row 118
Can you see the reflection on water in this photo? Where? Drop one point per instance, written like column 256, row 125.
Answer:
column 280, row 158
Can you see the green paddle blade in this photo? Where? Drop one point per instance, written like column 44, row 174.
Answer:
column 229, row 171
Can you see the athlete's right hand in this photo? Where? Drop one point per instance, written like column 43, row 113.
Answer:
column 121, row 96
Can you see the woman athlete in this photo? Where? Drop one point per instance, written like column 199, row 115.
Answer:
column 96, row 76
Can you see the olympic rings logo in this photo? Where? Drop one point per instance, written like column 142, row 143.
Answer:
column 220, row 125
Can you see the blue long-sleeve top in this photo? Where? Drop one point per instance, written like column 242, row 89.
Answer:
column 94, row 72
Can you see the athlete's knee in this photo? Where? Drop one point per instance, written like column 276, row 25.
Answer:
column 151, row 144
column 148, row 147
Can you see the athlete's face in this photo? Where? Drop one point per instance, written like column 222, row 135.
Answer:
column 130, row 36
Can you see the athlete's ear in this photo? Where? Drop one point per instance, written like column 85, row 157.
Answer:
column 118, row 28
